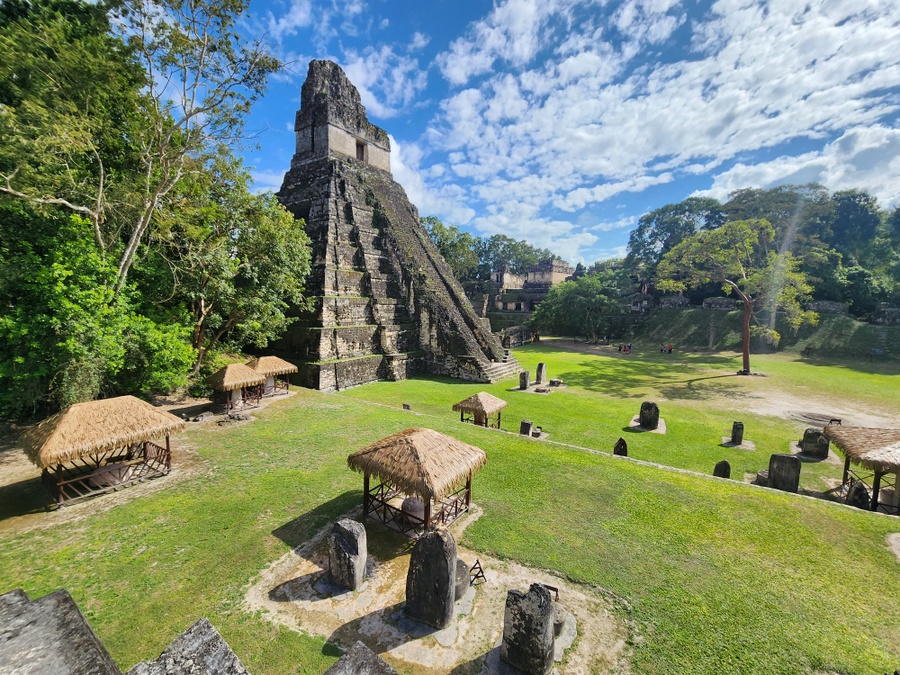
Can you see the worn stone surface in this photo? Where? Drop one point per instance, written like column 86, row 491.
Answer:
column 200, row 650
column 541, row 373
column 722, row 469
column 347, row 552
column 814, row 443
column 649, row 416
column 858, row 495
column 360, row 660
column 621, row 448
column 737, row 433
column 762, row 478
column 462, row 578
column 524, row 379
column 525, row 428
column 49, row 636
column 784, row 472
column 528, row 630
column 385, row 303
column 431, row 579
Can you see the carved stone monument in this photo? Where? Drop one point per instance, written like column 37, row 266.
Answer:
column 347, row 553
column 431, row 579
column 737, row 433
column 523, row 379
column 462, row 578
column 784, row 473
column 858, row 495
column 621, row 448
column 722, row 469
column 528, row 630
column 525, row 428
column 649, row 417
column 541, row 373
column 815, row 443
column 385, row 303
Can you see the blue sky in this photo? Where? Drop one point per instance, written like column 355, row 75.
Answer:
column 562, row 121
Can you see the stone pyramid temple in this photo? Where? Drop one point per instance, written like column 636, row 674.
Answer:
column 386, row 305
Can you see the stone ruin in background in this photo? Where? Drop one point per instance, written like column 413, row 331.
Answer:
column 386, row 305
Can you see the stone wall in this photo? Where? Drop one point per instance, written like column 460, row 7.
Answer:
column 720, row 304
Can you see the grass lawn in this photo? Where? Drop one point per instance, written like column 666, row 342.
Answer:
column 721, row 577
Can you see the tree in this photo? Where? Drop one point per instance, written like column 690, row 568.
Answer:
column 855, row 222
column 661, row 229
column 499, row 250
column 738, row 255
column 238, row 261
column 187, row 79
column 457, row 247
column 583, row 305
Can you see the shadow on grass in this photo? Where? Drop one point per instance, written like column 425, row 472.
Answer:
column 620, row 377
column 299, row 530
column 24, row 498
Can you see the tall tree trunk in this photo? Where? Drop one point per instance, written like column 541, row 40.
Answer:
column 748, row 311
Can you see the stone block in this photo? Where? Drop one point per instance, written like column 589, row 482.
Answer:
column 649, row 417
column 462, row 578
column 723, row 469
column 784, row 472
column 762, row 478
column 621, row 448
column 528, row 630
column 858, row 496
column 524, row 379
column 431, row 579
column 541, row 373
column 525, row 428
column 815, row 443
column 737, row 433
column 347, row 553
column 360, row 660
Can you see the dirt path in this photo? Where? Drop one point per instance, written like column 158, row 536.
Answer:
column 295, row 592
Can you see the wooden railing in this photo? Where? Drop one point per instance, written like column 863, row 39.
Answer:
column 451, row 508
column 102, row 472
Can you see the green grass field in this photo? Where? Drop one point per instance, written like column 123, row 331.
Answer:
column 722, row 577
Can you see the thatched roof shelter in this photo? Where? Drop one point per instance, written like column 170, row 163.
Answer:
column 482, row 403
column 875, row 449
column 419, row 462
column 271, row 365
column 235, row 376
column 96, row 426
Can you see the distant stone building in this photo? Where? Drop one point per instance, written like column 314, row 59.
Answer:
column 548, row 273
column 505, row 278
column 386, row 305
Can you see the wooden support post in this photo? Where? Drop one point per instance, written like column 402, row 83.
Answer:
column 468, row 491
column 427, row 513
column 168, row 455
column 846, row 471
column 462, row 416
column 876, row 485
column 366, row 495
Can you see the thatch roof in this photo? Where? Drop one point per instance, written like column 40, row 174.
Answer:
column 876, row 449
column 420, row 462
column 482, row 402
column 271, row 365
column 234, row 376
column 96, row 426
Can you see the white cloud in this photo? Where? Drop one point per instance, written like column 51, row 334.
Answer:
column 266, row 180
column 418, row 41
column 386, row 81
column 447, row 200
column 865, row 157
column 617, row 108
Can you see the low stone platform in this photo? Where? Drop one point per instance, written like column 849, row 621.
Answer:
column 743, row 445
column 635, row 425
column 291, row 593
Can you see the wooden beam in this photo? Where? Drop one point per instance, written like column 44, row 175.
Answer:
column 846, row 470
column 876, row 485
column 366, row 495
